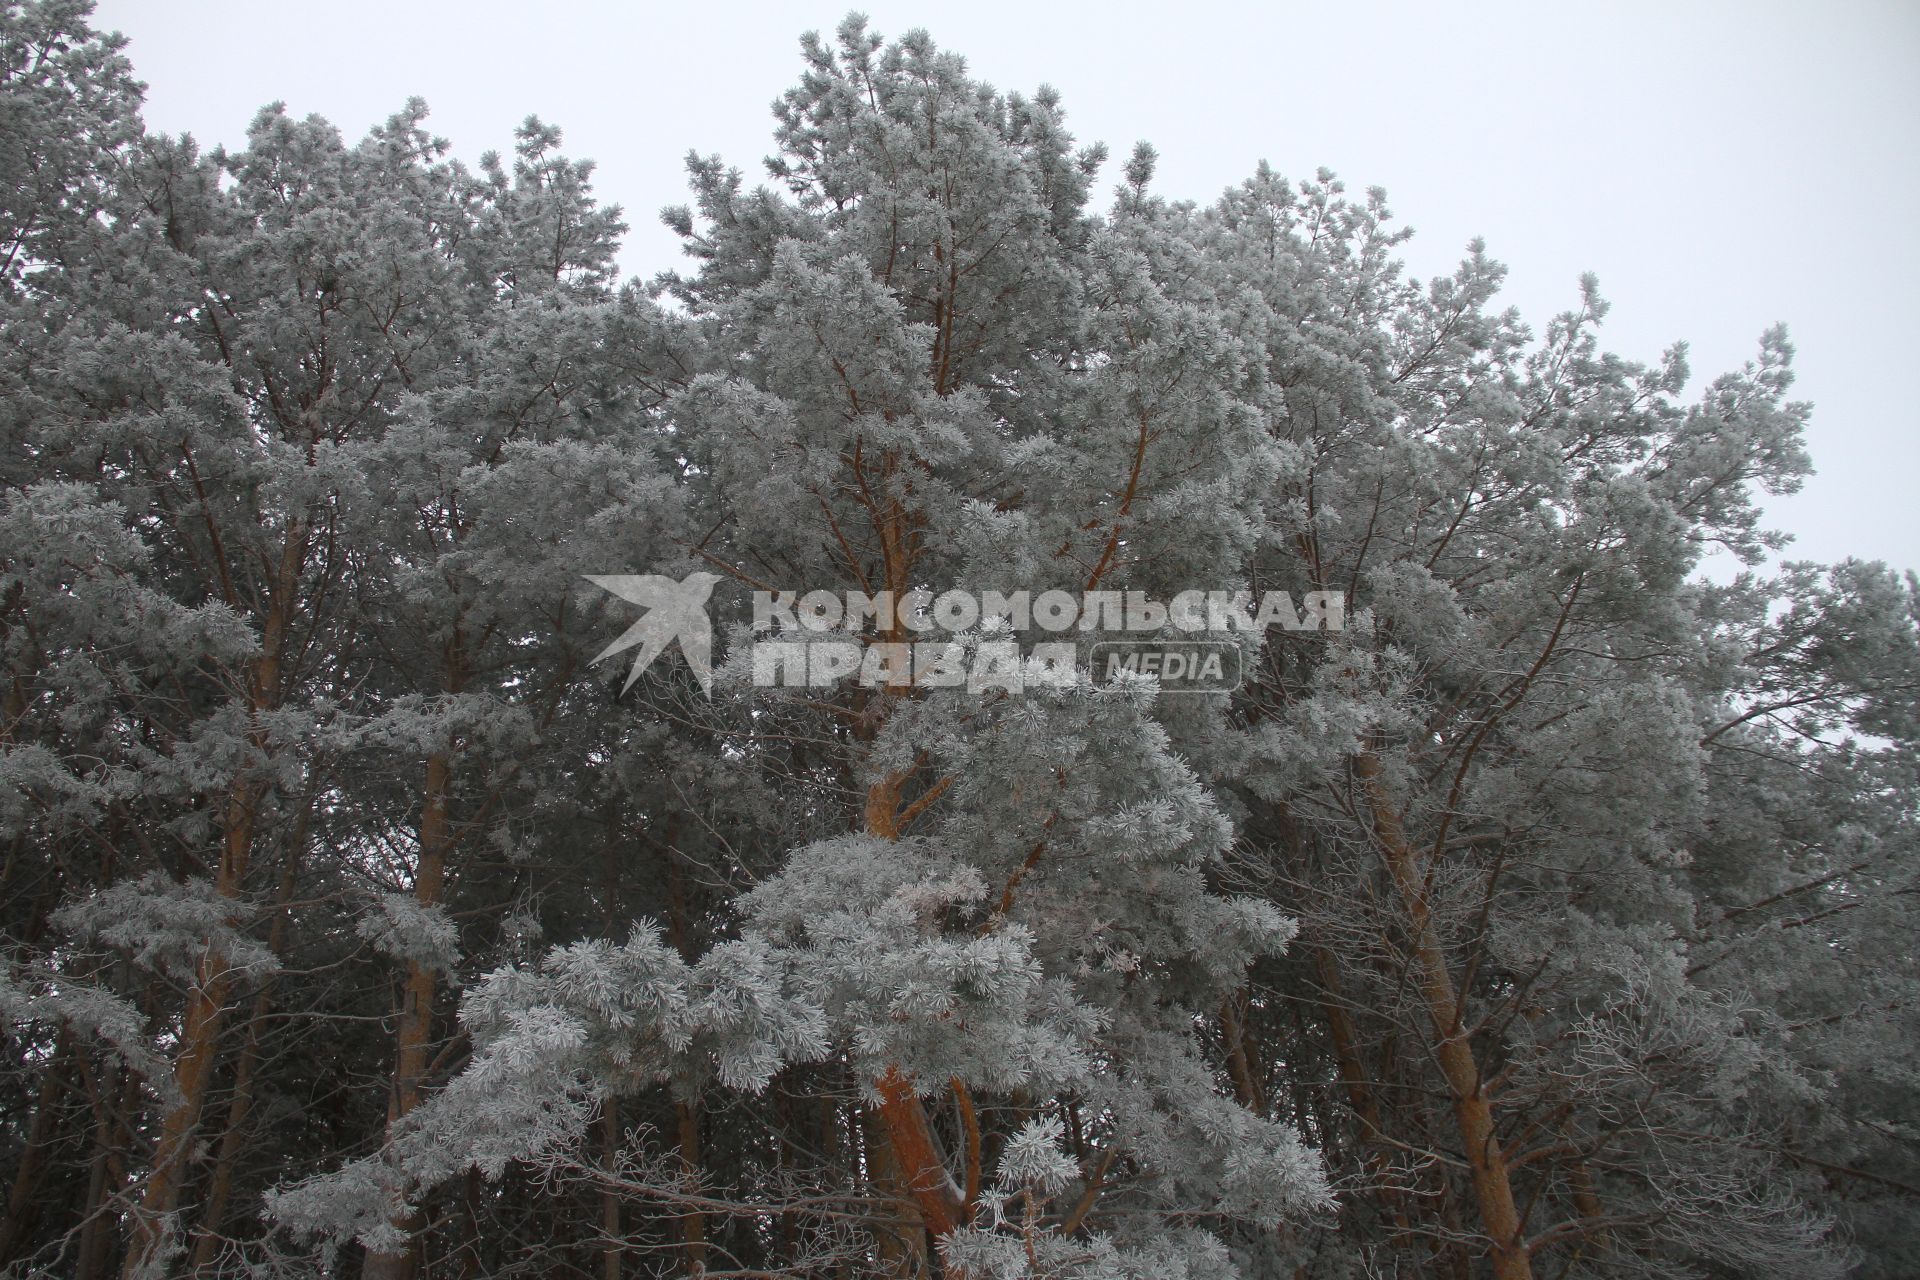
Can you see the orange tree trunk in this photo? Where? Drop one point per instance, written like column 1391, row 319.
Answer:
column 414, row 1035
column 1486, row 1162
column 213, row 986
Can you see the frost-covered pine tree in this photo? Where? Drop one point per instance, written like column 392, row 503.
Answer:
column 1491, row 799
column 931, row 369
column 1555, row 917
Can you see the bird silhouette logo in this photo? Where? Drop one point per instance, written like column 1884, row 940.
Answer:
column 675, row 611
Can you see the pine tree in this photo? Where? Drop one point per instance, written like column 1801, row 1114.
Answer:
column 368, row 915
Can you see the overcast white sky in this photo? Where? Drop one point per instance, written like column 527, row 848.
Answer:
column 1721, row 166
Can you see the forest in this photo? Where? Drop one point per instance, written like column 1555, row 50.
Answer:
column 1551, row 917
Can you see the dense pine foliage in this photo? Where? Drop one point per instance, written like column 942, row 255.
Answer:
column 1556, row 918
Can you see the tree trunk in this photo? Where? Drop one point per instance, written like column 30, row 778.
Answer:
column 914, row 1147
column 1353, row 1077
column 1240, row 1057
column 900, row 1243
column 220, row 1185
column 1486, row 1162
column 610, row 1228
column 213, row 981
column 198, row 1055
column 693, row 1223
column 21, row 1209
column 112, row 1139
column 912, row 1157
column 414, row 1035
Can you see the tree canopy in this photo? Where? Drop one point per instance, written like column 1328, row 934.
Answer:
column 1541, row 907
